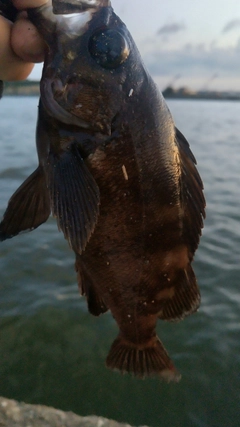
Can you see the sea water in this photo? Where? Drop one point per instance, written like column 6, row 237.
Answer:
column 53, row 352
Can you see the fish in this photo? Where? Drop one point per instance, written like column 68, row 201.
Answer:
column 119, row 178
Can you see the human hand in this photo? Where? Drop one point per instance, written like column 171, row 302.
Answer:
column 20, row 44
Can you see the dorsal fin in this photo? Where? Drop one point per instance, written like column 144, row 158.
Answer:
column 191, row 194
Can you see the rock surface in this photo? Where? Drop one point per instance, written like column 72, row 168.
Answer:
column 16, row 414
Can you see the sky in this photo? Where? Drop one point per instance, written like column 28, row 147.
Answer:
column 194, row 43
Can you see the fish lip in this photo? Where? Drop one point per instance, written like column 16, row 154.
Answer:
column 76, row 6
column 55, row 110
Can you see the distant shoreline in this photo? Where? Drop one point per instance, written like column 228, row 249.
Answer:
column 31, row 88
column 206, row 95
column 22, row 88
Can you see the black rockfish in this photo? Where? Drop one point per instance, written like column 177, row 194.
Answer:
column 120, row 179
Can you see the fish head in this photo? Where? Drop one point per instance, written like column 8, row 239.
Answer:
column 92, row 65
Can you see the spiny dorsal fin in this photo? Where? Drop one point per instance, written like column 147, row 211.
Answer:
column 192, row 198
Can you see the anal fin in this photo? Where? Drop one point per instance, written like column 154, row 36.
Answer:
column 87, row 287
column 28, row 207
column 74, row 197
column 141, row 361
column 185, row 298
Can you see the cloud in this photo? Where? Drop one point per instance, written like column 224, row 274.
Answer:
column 194, row 61
column 231, row 25
column 171, row 29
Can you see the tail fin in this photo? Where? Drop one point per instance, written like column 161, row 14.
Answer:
column 142, row 361
column 28, row 207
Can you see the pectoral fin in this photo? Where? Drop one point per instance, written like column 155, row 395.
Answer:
column 74, row 197
column 28, row 207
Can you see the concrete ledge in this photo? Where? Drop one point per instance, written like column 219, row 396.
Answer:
column 16, row 414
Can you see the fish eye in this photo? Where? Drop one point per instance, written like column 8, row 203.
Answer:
column 109, row 48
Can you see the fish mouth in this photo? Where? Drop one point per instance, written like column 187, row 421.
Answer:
column 48, row 90
column 75, row 6
column 70, row 17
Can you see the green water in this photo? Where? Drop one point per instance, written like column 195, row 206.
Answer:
column 53, row 352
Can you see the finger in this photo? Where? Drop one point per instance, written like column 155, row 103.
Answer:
column 26, row 41
column 11, row 66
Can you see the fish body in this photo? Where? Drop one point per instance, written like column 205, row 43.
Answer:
column 120, row 180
